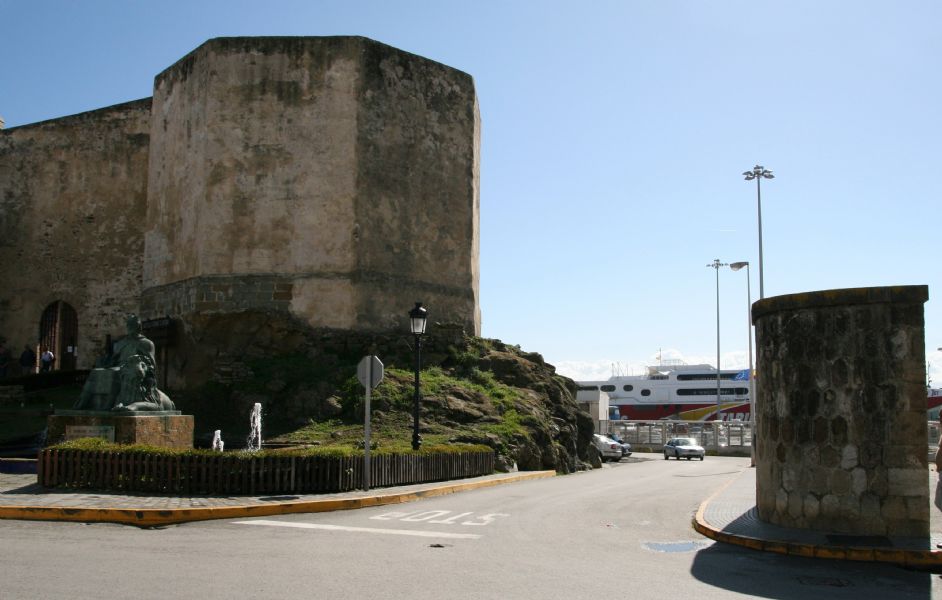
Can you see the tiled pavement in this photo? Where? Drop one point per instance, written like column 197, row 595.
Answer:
column 22, row 498
column 730, row 516
column 22, row 490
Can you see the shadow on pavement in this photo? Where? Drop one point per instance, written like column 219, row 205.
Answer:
column 770, row 575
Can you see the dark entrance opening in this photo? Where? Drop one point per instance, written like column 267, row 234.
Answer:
column 58, row 331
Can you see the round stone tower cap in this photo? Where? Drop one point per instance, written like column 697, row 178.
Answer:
column 899, row 294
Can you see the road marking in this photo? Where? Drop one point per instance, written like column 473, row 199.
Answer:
column 432, row 516
column 412, row 532
column 425, row 516
column 485, row 519
column 451, row 520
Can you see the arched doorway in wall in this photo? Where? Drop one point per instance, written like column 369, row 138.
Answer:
column 58, row 331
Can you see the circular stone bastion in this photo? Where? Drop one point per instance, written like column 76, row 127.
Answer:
column 841, row 440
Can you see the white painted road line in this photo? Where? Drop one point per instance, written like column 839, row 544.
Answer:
column 412, row 532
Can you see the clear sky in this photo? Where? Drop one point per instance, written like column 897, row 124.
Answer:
column 614, row 138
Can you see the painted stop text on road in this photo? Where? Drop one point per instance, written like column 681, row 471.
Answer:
column 440, row 517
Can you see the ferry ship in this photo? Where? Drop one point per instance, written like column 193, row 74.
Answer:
column 677, row 391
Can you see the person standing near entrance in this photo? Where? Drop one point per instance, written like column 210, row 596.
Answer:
column 27, row 360
column 46, row 358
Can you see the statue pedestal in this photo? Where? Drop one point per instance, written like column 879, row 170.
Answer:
column 166, row 429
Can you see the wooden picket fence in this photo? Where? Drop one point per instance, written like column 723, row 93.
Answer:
column 214, row 474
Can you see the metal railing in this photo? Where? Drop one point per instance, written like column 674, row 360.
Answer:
column 709, row 434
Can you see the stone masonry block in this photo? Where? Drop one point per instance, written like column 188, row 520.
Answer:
column 849, row 456
column 840, row 482
column 812, row 507
column 870, row 506
column 917, row 509
column 830, row 506
column 858, row 481
column 894, row 508
column 908, row 482
column 795, row 505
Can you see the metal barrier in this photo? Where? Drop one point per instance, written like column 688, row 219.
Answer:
column 709, row 434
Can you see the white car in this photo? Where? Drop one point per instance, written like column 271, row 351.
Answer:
column 683, row 448
column 607, row 447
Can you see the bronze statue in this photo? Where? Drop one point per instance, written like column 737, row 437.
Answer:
column 127, row 379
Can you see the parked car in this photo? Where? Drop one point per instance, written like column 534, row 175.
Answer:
column 625, row 446
column 683, row 448
column 607, row 447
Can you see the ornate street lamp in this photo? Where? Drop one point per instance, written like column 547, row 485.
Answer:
column 417, row 319
column 759, row 172
column 752, row 388
column 716, row 264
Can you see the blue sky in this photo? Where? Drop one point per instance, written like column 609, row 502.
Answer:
column 614, row 138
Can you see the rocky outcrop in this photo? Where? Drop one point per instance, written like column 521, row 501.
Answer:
column 475, row 390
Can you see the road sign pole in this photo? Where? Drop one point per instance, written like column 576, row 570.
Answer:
column 370, row 372
column 366, row 430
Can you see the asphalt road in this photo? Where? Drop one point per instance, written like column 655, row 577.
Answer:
column 618, row 532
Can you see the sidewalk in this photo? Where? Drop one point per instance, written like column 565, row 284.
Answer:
column 22, row 498
column 730, row 516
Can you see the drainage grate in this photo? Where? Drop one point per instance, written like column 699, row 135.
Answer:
column 860, row 540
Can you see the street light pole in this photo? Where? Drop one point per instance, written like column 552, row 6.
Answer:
column 417, row 320
column 752, row 389
column 758, row 173
column 716, row 264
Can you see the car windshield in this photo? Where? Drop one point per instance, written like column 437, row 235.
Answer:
column 685, row 442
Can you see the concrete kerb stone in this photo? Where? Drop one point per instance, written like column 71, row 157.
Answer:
column 160, row 516
column 930, row 560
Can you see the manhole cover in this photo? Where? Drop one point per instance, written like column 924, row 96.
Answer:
column 688, row 546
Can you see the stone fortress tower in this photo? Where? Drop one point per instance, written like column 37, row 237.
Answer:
column 334, row 178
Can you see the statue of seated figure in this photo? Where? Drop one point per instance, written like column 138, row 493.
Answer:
column 127, row 379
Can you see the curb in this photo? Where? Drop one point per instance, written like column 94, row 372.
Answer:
column 152, row 517
column 930, row 560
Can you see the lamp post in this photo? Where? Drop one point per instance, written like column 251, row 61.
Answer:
column 716, row 264
column 752, row 388
column 417, row 319
column 759, row 172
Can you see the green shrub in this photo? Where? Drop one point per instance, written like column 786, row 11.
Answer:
column 100, row 445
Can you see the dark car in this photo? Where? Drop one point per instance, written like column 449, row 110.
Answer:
column 625, row 446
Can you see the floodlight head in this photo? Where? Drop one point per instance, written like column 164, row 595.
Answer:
column 768, row 175
column 738, row 265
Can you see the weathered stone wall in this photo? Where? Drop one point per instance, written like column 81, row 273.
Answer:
column 841, row 411
column 417, row 202
column 334, row 179
column 73, row 197
column 335, row 176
